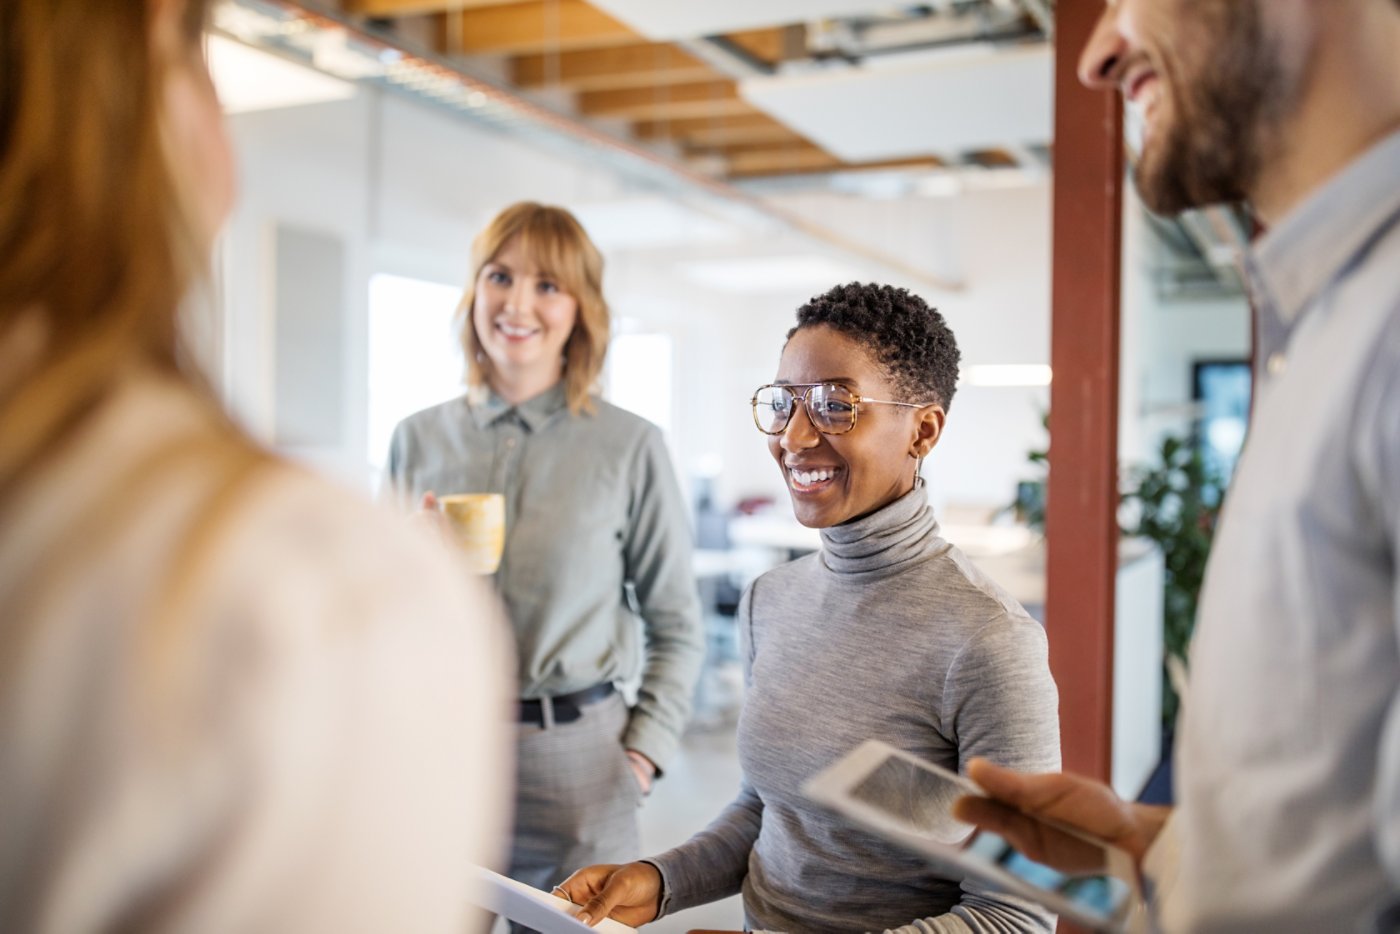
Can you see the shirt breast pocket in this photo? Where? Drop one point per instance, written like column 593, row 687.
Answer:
column 576, row 516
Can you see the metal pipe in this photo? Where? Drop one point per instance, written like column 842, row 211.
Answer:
column 1043, row 14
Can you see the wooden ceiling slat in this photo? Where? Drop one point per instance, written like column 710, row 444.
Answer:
column 536, row 27
column 712, row 134
column 396, row 8
column 780, row 160
column 631, row 66
column 786, row 161
column 709, row 98
column 661, row 129
column 790, row 143
column 773, row 46
column 993, row 158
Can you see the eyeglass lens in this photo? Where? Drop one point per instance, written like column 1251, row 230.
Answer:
column 831, row 407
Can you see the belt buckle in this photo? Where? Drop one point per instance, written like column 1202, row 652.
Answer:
column 554, row 712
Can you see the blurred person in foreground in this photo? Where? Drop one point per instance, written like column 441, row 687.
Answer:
column 1288, row 754
column 596, row 570
column 232, row 698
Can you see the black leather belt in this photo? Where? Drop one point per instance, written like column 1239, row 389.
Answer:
column 565, row 708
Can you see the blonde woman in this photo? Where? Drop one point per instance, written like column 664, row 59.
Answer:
column 232, row 698
column 592, row 512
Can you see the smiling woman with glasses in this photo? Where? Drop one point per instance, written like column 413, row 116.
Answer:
column 888, row 632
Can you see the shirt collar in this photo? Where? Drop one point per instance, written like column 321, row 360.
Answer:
column 487, row 408
column 1294, row 262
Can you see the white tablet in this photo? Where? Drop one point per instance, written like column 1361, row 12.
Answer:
column 523, row 904
column 908, row 801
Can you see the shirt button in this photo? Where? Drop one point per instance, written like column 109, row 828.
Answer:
column 1275, row 364
column 510, row 442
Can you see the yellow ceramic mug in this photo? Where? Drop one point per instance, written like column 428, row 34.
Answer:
column 478, row 522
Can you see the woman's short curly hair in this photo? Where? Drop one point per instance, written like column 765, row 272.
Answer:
column 908, row 338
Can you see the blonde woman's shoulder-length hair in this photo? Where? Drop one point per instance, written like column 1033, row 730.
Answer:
column 557, row 243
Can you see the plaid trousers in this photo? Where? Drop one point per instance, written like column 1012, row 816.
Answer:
column 577, row 799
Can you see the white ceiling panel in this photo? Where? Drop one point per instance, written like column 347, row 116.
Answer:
column 684, row 20
column 248, row 79
column 932, row 103
column 765, row 275
column 650, row 223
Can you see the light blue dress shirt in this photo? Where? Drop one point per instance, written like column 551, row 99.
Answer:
column 1288, row 756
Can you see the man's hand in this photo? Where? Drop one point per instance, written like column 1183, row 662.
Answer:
column 630, row 894
column 1072, row 801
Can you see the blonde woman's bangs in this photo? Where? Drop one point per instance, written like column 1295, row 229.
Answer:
column 561, row 251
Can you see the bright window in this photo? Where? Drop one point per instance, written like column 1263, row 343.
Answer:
column 414, row 358
column 639, row 376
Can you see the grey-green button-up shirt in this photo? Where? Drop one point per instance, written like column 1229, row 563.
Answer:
column 592, row 506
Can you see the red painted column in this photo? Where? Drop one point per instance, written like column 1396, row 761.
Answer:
column 1082, row 497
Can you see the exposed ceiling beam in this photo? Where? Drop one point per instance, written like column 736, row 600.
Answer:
column 773, row 46
column 709, row 98
column 535, row 27
column 1043, row 12
column 803, row 157
column 394, row 8
column 727, row 57
column 726, row 131
column 629, row 66
column 791, row 143
column 787, row 161
column 992, row 158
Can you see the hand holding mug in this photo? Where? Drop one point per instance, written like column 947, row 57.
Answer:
column 477, row 526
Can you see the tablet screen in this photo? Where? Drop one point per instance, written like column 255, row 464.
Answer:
column 916, row 797
column 921, row 800
column 1100, row 895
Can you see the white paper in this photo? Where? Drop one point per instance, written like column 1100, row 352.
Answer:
column 546, row 913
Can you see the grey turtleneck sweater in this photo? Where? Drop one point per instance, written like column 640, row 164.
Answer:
column 890, row 633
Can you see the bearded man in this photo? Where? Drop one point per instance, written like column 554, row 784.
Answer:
column 1288, row 753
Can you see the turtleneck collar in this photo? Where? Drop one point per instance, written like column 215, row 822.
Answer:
column 888, row 540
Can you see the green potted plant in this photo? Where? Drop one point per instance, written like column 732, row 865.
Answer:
column 1174, row 501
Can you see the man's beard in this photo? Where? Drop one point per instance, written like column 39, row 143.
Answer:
column 1225, row 113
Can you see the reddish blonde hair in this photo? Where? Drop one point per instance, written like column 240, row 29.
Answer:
column 560, row 247
column 97, row 250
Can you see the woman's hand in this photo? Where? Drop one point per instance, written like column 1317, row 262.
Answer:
column 643, row 769
column 1072, row 801
column 430, row 518
column 630, row 894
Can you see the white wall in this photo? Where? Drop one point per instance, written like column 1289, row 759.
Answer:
column 304, row 166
